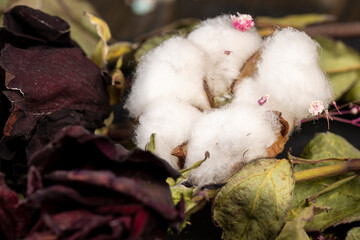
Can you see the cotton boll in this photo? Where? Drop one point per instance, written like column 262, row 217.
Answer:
column 226, row 48
column 232, row 136
column 174, row 70
column 288, row 70
column 171, row 121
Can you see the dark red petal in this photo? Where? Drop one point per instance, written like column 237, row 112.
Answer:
column 14, row 216
column 34, row 181
column 153, row 195
column 27, row 22
column 139, row 224
column 74, row 147
column 49, row 89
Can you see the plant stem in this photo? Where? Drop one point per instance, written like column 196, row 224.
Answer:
column 352, row 165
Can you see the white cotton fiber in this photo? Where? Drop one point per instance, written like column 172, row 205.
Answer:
column 288, row 70
column 174, row 70
column 171, row 121
column 214, row 37
column 250, row 90
column 232, row 136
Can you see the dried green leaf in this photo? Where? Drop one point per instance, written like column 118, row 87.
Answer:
column 336, row 57
column 150, row 44
column 102, row 28
column 341, row 193
column 254, row 202
column 153, row 39
column 150, row 146
column 296, row 21
column 294, row 229
column 117, row 50
column 353, row 234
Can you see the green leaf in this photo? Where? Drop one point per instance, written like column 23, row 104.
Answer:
column 354, row 93
column 117, row 50
column 343, row 82
column 336, row 57
column 294, row 229
column 181, row 27
column 194, row 198
column 254, row 202
column 151, row 145
column 296, row 21
column 186, row 172
column 328, row 145
column 353, row 234
column 150, row 44
column 341, row 193
column 103, row 31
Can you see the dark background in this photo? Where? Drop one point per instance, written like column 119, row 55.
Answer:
column 125, row 25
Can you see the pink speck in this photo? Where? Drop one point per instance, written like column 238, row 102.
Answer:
column 263, row 99
column 316, row 107
column 242, row 22
column 227, row 52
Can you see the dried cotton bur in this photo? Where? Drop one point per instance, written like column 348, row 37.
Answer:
column 270, row 86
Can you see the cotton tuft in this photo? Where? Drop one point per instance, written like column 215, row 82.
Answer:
column 214, row 37
column 289, row 71
column 171, row 121
column 231, row 136
column 174, row 70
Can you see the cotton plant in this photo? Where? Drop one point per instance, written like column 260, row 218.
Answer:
column 268, row 85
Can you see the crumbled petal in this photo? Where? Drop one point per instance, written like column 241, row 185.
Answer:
column 316, row 107
column 263, row 99
column 242, row 22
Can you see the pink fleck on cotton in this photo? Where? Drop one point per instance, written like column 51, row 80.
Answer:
column 263, row 99
column 316, row 107
column 242, row 22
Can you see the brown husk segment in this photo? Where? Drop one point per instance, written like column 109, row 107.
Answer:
column 248, row 70
column 180, row 152
column 282, row 137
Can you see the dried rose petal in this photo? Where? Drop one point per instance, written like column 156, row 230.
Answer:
column 51, row 88
column 82, row 171
column 46, row 83
column 14, row 216
column 33, row 24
